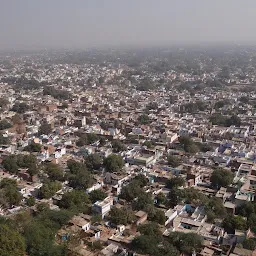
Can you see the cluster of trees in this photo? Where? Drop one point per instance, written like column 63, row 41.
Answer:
column 149, row 144
column 9, row 193
column 20, row 108
column 4, row 124
column 113, row 163
column 221, row 178
column 121, row 216
column 4, row 140
column 33, row 147
column 57, row 94
column 221, row 104
column 143, row 119
column 151, row 242
column 173, row 161
column 49, row 189
column 188, row 145
column 218, row 119
column 140, row 200
column 145, row 85
column 118, row 146
column 93, row 162
column 79, row 177
column 86, row 139
column 45, row 128
column 194, row 107
column 12, row 163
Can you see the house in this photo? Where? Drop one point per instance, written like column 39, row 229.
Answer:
column 103, row 207
column 141, row 217
column 80, row 222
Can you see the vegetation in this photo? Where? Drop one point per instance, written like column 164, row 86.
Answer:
column 12, row 163
column 118, row 146
column 143, row 119
column 57, row 94
column 45, row 129
column 4, row 124
column 33, row 147
column 12, row 243
column 49, row 189
column 221, row 178
column 173, row 161
column 113, row 163
column 97, row 195
column 121, row 216
column 20, row 108
column 221, row 120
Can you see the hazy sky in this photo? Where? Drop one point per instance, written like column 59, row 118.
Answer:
column 89, row 23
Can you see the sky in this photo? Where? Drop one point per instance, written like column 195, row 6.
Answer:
column 84, row 24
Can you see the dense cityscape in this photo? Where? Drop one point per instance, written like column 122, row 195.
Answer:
column 128, row 152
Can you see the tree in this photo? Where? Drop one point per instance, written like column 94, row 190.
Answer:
column 4, row 140
column 143, row 119
column 161, row 198
column 249, row 244
column 175, row 182
column 118, row 146
column 186, row 242
column 12, row 243
column 231, row 223
column 221, row 178
column 173, row 161
column 10, row 164
column 54, row 172
column 4, row 124
column 148, row 144
column 49, row 189
column 113, row 163
column 74, row 200
column 20, row 108
column 4, row 102
column 10, row 193
column 30, row 201
column 97, row 195
column 144, row 199
column 93, row 161
column 33, row 147
column 121, row 216
column 45, row 129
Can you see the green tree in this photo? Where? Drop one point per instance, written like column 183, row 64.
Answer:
column 44, row 128
column 11, row 242
column 33, row 147
column 113, row 163
column 49, row 189
column 54, row 172
column 4, row 140
column 173, row 161
column 121, row 216
column 186, row 243
column 175, row 182
column 75, row 200
column 118, row 146
column 231, row 223
column 221, row 178
column 93, row 161
column 249, row 244
column 97, row 195
column 30, row 201
column 20, row 108
column 4, row 124
column 143, row 119
column 161, row 198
